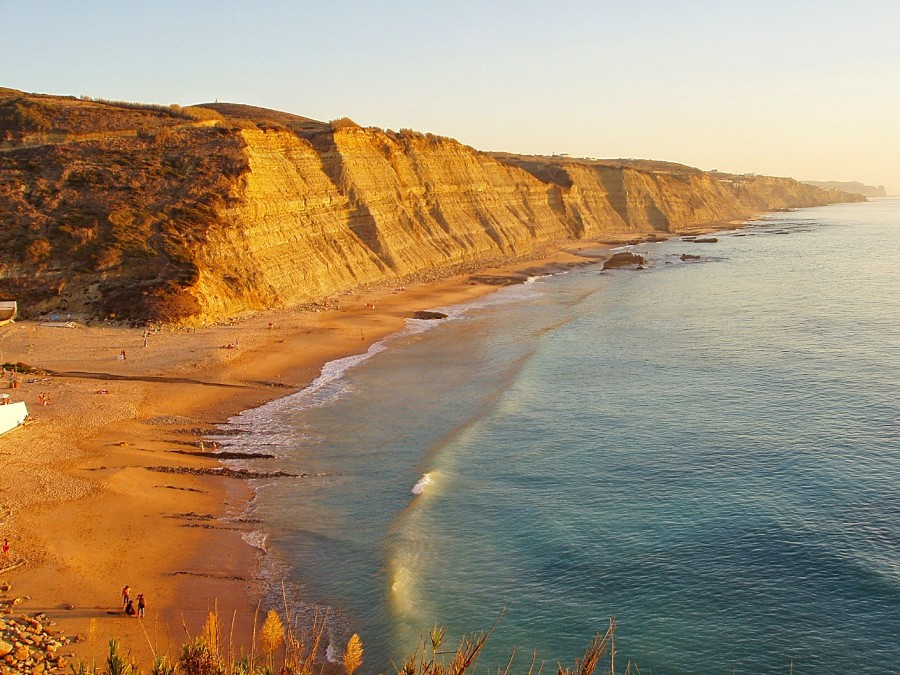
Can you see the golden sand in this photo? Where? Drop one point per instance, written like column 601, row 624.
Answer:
column 84, row 509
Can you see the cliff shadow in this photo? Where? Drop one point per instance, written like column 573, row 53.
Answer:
column 657, row 219
column 613, row 181
column 361, row 220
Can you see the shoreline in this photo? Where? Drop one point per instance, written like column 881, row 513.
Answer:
column 84, row 501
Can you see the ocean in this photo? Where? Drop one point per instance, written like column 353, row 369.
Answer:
column 706, row 449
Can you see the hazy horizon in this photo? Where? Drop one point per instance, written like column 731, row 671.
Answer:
column 802, row 89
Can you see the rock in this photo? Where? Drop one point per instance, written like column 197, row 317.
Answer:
column 5, row 648
column 706, row 240
column 21, row 654
column 623, row 259
column 688, row 256
column 429, row 315
column 78, row 638
column 62, row 662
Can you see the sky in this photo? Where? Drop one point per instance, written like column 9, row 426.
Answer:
column 802, row 88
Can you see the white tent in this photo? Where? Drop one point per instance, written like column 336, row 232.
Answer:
column 12, row 415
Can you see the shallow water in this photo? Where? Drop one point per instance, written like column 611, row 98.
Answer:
column 708, row 450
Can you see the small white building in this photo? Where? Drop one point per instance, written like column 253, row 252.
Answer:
column 12, row 415
column 8, row 311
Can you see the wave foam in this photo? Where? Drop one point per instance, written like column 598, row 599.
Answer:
column 256, row 539
column 423, row 483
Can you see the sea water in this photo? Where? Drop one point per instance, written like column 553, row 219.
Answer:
column 707, row 449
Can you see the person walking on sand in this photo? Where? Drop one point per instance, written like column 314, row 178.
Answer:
column 126, row 596
column 141, row 605
column 5, row 547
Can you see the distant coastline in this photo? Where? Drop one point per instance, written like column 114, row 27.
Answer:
column 850, row 186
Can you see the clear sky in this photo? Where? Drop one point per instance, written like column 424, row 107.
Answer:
column 801, row 88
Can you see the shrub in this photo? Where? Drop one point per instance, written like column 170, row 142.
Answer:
column 37, row 251
column 344, row 123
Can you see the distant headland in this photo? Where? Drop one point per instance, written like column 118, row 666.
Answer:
column 849, row 186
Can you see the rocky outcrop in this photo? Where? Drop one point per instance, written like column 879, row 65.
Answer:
column 429, row 315
column 29, row 645
column 225, row 208
column 623, row 259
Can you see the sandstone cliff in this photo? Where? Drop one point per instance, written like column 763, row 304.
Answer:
column 198, row 214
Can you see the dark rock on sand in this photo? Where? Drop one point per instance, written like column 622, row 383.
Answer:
column 623, row 259
column 429, row 315
column 689, row 256
column 706, row 240
column 226, row 472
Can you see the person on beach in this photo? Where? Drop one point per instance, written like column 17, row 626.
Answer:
column 126, row 596
column 141, row 605
column 129, row 607
column 5, row 548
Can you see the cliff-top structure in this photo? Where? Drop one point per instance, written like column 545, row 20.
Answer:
column 195, row 214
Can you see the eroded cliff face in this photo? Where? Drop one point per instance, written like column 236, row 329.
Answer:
column 251, row 209
column 314, row 216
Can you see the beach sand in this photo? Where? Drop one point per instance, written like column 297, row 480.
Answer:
column 82, row 499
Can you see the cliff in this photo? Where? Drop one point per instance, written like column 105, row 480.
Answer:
column 850, row 186
column 197, row 214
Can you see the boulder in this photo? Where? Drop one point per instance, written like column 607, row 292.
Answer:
column 706, row 240
column 623, row 259
column 689, row 256
column 429, row 315
column 5, row 648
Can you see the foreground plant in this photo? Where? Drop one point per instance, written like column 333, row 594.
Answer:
column 353, row 654
column 204, row 655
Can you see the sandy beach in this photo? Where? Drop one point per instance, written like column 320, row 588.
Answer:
column 108, row 486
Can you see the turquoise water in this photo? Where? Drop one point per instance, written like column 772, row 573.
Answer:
column 708, row 450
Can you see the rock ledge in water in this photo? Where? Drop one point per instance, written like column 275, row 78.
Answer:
column 623, row 259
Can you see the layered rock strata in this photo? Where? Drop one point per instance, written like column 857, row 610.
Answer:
column 240, row 210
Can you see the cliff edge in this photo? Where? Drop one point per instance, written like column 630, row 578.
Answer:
column 153, row 213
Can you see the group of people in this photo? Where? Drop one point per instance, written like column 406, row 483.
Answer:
column 44, row 398
column 129, row 606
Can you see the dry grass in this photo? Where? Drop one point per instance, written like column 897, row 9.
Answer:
column 282, row 647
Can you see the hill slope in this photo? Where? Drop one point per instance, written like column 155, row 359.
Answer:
column 195, row 214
